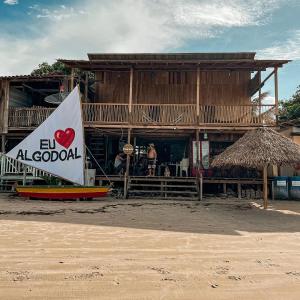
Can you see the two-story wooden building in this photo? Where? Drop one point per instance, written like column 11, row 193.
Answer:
column 172, row 100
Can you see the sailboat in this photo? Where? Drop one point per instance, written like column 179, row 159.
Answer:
column 57, row 147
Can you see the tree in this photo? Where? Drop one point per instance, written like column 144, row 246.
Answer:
column 46, row 69
column 290, row 109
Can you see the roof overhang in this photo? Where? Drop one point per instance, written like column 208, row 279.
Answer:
column 184, row 64
column 28, row 78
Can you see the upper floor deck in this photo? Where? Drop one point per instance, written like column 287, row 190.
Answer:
column 154, row 116
column 190, row 90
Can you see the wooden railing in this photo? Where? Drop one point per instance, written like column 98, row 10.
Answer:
column 28, row 117
column 237, row 115
column 155, row 114
column 164, row 114
column 10, row 166
column 105, row 113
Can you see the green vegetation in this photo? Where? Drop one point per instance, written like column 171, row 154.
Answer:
column 58, row 68
column 46, row 69
column 51, row 180
column 290, row 109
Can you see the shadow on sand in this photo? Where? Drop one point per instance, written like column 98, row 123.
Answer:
column 211, row 216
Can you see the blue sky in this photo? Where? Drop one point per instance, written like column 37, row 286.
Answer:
column 33, row 31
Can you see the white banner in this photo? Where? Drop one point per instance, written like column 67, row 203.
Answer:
column 57, row 145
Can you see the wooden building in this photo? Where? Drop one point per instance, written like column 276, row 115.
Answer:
column 190, row 105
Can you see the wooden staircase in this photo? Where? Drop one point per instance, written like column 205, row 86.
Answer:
column 185, row 188
column 96, row 144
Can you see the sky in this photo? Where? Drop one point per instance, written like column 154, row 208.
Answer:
column 33, row 31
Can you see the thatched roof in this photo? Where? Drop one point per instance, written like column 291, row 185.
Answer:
column 259, row 147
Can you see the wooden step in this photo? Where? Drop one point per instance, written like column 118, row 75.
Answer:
column 167, row 198
column 163, row 185
column 166, row 179
column 163, row 192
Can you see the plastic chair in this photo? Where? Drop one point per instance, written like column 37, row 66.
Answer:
column 184, row 166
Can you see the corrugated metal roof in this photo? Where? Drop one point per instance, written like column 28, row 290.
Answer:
column 32, row 77
column 171, row 56
column 229, row 64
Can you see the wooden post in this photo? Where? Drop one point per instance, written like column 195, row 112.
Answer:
column 201, row 187
column 259, row 95
column 6, row 106
column 276, row 90
column 198, row 95
column 265, row 186
column 275, row 170
column 72, row 79
column 198, row 177
column 224, row 188
column 239, row 188
column 198, row 150
column 126, row 176
column 3, row 140
column 24, row 175
column 130, row 91
column 86, row 86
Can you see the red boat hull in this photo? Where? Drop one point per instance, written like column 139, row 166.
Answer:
column 63, row 193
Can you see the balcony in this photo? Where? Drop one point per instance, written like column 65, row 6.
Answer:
column 152, row 115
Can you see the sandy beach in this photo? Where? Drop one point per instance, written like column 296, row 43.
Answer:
column 149, row 249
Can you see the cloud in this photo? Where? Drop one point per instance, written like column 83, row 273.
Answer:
column 289, row 49
column 56, row 14
column 125, row 26
column 11, row 2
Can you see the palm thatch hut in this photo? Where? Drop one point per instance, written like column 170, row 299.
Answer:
column 258, row 149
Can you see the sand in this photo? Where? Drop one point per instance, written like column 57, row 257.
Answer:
column 149, row 249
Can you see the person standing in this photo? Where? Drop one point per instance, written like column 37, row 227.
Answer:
column 152, row 158
column 119, row 163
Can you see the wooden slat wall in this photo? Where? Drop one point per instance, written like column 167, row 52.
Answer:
column 112, row 87
column 224, row 87
column 1, row 106
column 163, row 87
column 4, row 95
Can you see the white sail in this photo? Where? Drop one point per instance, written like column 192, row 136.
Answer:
column 57, row 145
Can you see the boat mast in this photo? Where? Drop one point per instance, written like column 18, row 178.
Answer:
column 84, row 146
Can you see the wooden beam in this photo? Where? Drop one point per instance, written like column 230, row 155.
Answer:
column 3, row 141
column 265, row 186
column 126, row 177
column 276, row 90
column 262, row 83
column 198, row 94
column 72, row 79
column 259, row 93
column 197, row 147
column 6, row 106
column 239, row 190
column 224, row 188
column 130, row 90
column 86, row 86
column 198, row 175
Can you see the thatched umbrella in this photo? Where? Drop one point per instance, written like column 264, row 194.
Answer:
column 258, row 149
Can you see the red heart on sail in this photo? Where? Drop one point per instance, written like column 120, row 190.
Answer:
column 65, row 138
